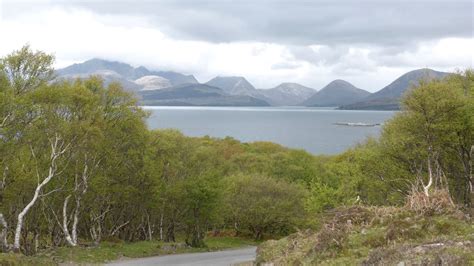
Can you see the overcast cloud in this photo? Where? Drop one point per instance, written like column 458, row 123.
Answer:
column 368, row 43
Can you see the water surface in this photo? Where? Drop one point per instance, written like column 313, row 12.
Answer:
column 311, row 129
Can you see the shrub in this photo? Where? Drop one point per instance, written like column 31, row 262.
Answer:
column 438, row 202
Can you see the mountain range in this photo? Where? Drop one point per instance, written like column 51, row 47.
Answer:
column 118, row 71
column 173, row 88
column 196, row 95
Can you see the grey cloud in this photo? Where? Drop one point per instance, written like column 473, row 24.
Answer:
column 286, row 66
column 324, row 56
column 298, row 22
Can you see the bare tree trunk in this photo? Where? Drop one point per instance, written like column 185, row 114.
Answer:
column 170, row 237
column 69, row 240
column 80, row 189
column 96, row 233
column 96, row 225
column 3, row 182
column 430, row 177
column 36, row 242
column 86, row 173
column 21, row 215
column 75, row 220
column 150, row 231
column 161, row 227
column 4, row 246
column 56, row 151
column 470, row 177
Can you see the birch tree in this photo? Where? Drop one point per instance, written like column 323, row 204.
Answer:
column 433, row 134
column 58, row 147
column 21, row 73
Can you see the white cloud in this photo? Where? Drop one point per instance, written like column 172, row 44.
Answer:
column 75, row 35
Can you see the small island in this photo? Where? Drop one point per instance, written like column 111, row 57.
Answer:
column 357, row 124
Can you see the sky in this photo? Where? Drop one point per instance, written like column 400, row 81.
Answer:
column 312, row 42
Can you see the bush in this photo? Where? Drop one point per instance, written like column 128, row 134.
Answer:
column 438, row 202
column 264, row 205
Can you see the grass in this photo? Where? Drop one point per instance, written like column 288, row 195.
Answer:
column 109, row 251
column 10, row 259
column 219, row 243
column 377, row 236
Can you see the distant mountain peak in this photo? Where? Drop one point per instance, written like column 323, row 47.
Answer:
column 389, row 97
column 337, row 92
column 287, row 94
column 290, row 85
column 396, row 88
column 234, row 85
column 294, row 88
column 102, row 61
column 339, row 82
column 142, row 68
column 96, row 59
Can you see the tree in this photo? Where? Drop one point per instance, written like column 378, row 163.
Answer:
column 264, row 205
column 432, row 136
column 27, row 70
column 202, row 197
column 23, row 73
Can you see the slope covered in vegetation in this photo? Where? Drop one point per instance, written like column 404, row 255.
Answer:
column 377, row 236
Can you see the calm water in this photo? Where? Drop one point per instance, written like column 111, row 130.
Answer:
column 311, row 129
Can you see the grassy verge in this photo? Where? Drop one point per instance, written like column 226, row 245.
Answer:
column 109, row 251
column 11, row 259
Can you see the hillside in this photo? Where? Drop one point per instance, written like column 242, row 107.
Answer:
column 233, row 85
column 287, row 94
column 388, row 98
column 336, row 93
column 196, row 94
column 377, row 236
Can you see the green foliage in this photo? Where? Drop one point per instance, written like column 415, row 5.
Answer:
column 26, row 70
column 200, row 202
column 264, row 205
column 435, row 130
